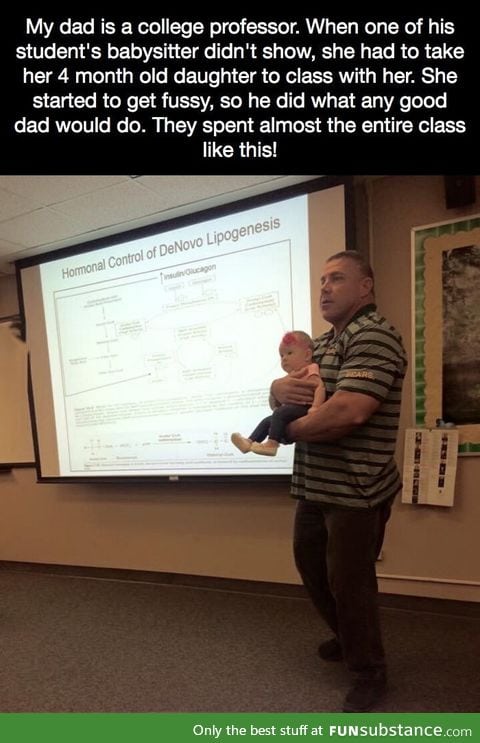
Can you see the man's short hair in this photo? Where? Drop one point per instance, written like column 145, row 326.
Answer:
column 356, row 257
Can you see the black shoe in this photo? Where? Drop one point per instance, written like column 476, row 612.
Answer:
column 330, row 650
column 365, row 694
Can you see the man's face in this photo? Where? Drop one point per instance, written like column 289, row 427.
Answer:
column 343, row 291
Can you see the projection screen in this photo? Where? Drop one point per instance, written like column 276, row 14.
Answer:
column 149, row 348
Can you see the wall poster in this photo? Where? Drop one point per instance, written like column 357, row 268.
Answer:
column 446, row 331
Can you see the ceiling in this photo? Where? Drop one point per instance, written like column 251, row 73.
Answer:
column 43, row 213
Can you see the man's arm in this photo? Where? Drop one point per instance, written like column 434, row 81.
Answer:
column 337, row 417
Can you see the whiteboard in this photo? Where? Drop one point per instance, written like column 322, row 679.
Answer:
column 16, row 443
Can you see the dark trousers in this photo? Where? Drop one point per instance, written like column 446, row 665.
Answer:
column 335, row 552
column 275, row 425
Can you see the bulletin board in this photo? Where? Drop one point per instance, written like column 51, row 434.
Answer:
column 16, row 443
column 446, row 332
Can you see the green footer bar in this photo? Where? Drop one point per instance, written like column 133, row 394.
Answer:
column 235, row 727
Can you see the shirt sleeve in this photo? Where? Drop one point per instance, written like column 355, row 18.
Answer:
column 374, row 359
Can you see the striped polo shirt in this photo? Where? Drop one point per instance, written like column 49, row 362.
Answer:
column 358, row 470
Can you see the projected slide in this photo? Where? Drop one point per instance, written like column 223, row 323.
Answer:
column 160, row 347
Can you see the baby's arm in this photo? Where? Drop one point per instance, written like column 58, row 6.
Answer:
column 319, row 394
column 318, row 397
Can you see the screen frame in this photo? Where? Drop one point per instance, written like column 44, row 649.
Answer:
column 157, row 228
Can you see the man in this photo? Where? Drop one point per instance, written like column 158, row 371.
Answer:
column 344, row 474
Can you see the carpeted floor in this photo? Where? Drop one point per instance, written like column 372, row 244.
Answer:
column 71, row 644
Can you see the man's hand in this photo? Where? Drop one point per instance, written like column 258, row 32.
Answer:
column 293, row 391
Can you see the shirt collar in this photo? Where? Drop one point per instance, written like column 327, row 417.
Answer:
column 363, row 311
column 371, row 307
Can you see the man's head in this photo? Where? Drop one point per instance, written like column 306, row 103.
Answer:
column 296, row 350
column 346, row 286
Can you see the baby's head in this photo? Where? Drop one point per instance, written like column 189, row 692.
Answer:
column 296, row 350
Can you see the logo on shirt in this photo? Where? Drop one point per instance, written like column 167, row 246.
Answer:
column 359, row 374
column 332, row 349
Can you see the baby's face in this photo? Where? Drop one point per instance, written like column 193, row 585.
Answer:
column 294, row 356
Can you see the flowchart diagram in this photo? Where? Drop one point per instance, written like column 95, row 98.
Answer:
column 158, row 367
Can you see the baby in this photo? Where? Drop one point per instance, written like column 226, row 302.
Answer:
column 296, row 351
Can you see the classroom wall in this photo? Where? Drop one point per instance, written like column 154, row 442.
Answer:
column 242, row 531
column 8, row 296
column 435, row 543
